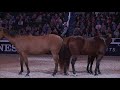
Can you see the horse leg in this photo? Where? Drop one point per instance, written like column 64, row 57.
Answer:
column 65, row 68
column 21, row 64
column 56, row 58
column 91, row 60
column 74, row 59
column 99, row 72
column 88, row 64
column 26, row 63
column 98, row 64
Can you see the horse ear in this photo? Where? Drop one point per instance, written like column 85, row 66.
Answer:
column 109, row 35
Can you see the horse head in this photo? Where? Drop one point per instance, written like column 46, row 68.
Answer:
column 109, row 38
column 109, row 35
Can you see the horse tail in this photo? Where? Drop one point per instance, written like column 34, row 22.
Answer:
column 64, row 57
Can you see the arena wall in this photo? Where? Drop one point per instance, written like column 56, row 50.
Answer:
column 113, row 50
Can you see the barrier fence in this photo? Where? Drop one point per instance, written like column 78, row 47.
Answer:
column 113, row 50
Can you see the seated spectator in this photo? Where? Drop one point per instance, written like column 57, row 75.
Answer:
column 118, row 26
column 39, row 19
column 77, row 32
column 20, row 24
column 49, row 30
column 82, row 26
column 114, row 26
column 28, row 29
column 93, row 32
column 45, row 28
column 54, row 31
column 103, row 27
column 1, row 22
column 116, row 33
column 98, row 27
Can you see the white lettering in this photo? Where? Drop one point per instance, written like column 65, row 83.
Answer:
column 13, row 49
column 113, row 49
column 110, row 49
column 7, row 47
column 1, row 47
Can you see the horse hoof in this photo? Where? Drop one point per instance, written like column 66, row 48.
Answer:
column 66, row 74
column 26, row 75
column 20, row 73
column 75, row 75
column 74, row 72
column 95, row 74
column 53, row 74
column 91, row 72
column 88, row 71
column 99, row 72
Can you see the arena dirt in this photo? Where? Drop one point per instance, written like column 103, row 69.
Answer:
column 42, row 67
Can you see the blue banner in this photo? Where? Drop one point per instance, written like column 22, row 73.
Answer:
column 113, row 50
column 7, row 48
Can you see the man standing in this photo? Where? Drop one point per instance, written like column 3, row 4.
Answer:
column 65, row 29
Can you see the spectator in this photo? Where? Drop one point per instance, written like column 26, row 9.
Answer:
column 1, row 22
column 28, row 29
column 82, row 26
column 116, row 33
column 54, row 31
column 39, row 19
column 77, row 32
column 118, row 27
column 93, row 32
column 20, row 23
column 98, row 27
column 103, row 27
column 45, row 29
column 114, row 26
column 53, row 22
column 49, row 31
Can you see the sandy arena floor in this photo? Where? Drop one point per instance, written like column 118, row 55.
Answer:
column 43, row 66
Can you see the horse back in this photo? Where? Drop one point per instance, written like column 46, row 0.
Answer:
column 39, row 44
column 85, row 46
column 75, row 44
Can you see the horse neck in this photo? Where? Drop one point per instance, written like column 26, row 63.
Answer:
column 10, row 38
column 108, row 40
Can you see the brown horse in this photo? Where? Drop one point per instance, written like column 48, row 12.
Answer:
column 94, row 47
column 26, row 45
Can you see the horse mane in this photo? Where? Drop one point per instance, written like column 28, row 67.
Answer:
column 107, row 38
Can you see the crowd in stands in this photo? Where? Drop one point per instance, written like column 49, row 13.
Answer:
column 35, row 23
column 92, row 24
column 86, row 24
